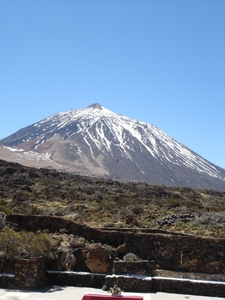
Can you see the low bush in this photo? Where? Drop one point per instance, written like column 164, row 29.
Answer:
column 123, row 202
column 3, row 202
column 191, row 204
column 24, row 244
column 6, row 210
column 171, row 202
column 131, row 257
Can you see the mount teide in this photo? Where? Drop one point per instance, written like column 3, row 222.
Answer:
column 94, row 141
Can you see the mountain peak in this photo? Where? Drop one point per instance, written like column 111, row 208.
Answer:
column 96, row 141
column 96, row 105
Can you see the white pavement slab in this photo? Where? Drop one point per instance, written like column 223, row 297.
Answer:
column 76, row 293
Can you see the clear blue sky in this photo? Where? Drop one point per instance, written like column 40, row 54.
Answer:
column 158, row 61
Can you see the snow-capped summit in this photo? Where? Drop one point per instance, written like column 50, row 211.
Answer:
column 96, row 141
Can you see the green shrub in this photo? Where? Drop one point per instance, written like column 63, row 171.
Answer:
column 192, row 204
column 24, row 244
column 109, row 225
column 3, row 202
column 30, row 209
column 179, row 225
column 36, row 210
column 105, row 204
column 171, row 202
column 130, row 257
column 36, row 244
column 193, row 226
column 6, row 210
column 123, row 202
column 9, row 242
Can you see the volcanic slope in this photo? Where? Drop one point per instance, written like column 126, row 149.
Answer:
column 95, row 141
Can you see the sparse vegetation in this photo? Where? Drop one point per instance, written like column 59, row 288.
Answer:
column 131, row 257
column 6, row 210
column 24, row 244
column 172, row 203
column 104, row 203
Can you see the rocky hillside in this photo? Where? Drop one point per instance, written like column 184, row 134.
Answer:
column 107, row 203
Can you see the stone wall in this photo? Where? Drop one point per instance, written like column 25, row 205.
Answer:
column 132, row 267
column 188, row 286
column 189, row 275
column 6, row 265
column 175, row 252
column 179, row 252
column 69, row 278
column 137, row 283
column 30, row 273
column 7, row 280
column 129, row 283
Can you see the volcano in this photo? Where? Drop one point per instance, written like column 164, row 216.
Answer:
column 95, row 141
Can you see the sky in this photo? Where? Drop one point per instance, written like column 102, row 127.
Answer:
column 157, row 61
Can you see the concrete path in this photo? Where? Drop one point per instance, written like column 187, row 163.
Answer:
column 75, row 293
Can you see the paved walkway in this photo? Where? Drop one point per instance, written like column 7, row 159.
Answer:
column 75, row 293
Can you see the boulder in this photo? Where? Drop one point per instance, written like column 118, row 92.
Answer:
column 122, row 249
column 98, row 258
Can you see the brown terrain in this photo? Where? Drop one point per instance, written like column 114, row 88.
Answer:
column 106, row 203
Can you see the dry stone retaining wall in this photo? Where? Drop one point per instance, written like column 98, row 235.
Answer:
column 68, row 278
column 135, row 267
column 132, row 283
column 188, row 286
column 142, row 284
column 30, row 273
column 175, row 252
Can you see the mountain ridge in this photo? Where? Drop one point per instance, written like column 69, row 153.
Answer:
column 98, row 142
